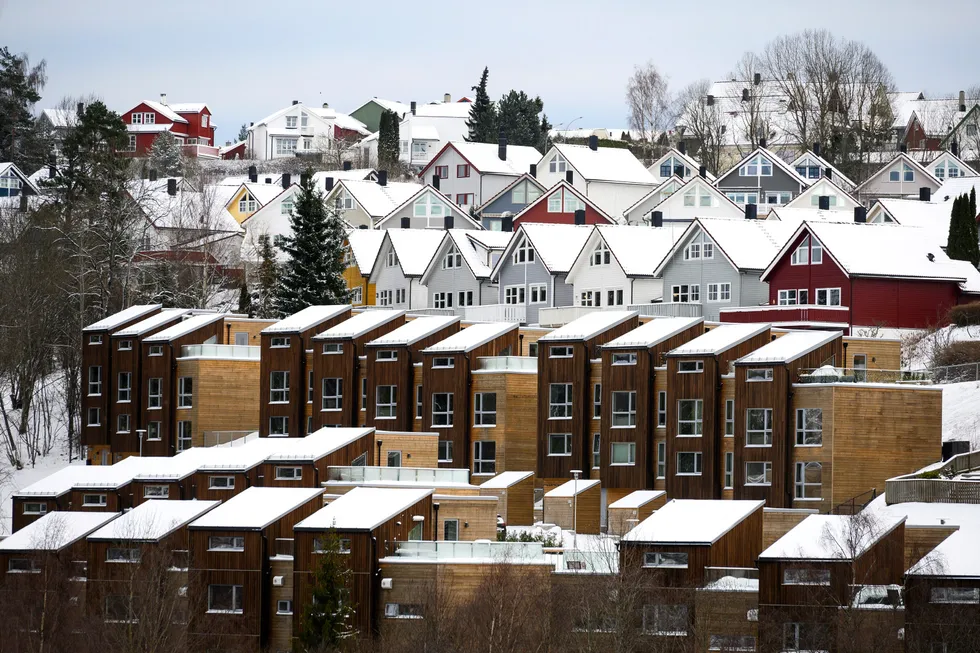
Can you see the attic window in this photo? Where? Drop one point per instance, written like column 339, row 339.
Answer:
column 600, row 256
column 905, row 174
column 558, row 164
column 757, row 166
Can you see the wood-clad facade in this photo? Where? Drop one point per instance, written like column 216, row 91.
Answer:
column 621, row 520
column 25, row 510
column 513, row 433
column 515, row 503
column 466, row 518
column 311, row 470
column 581, row 512
column 225, row 403
column 415, row 449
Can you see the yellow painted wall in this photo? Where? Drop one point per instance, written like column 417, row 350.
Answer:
column 354, row 279
column 232, row 206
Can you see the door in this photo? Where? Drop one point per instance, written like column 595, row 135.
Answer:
column 861, row 367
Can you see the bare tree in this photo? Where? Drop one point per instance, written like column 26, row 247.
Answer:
column 756, row 118
column 704, row 123
column 652, row 111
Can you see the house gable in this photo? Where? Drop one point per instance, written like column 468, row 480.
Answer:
column 427, row 209
column 640, row 211
column 512, row 198
column 558, row 205
column 901, row 176
column 697, row 198
column 664, row 168
column 949, row 166
column 840, row 200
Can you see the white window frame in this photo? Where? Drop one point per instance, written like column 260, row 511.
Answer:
column 185, row 435
column 828, row 297
column 221, row 482
column 630, row 450
column 156, row 491
column 524, row 252
column 662, row 409
column 331, row 401
column 696, row 422
column 729, row 476
column 758, row 374
column 290, row 473
column 661, row 459
column 561, row 409
column 279, row 387
column 803, row 488
column 483, row 416
column 624, row 419
column 185, row 392
column 539, row 293
column 697, row 463
column 237, row 599
column 803, row 432
column 765, row 433
column 442, row 417
column 484, row 457
column 766, row 473
column 566, row 444
column 387, row 409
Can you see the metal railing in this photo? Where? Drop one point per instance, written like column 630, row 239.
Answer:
column 479, row 550
column 233, row 438
column 416, row 475
column 556, row 316
column 244, row 352
column 666, row 309
column 831, row 374
column 855, row 504
column 508, row 363
column 939, row 484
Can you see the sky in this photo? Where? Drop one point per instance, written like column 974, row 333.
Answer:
column 247, row 59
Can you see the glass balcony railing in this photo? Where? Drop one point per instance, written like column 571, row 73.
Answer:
column 509, row 363
column 246, row 352
column 486, row 550
column 735, row 579
column 412, row 475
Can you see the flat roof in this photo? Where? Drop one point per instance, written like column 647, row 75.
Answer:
column 152, row 322
column 472, row 337
column 152, row 520
column 637, row 499
column 692, row 521
column 87, row 476
column 307, row 318
column 364, row 508
column 589, row 325
column 116, row 320
column 256, row 507
column 787, row 348
column 832, row 537
column 56, row 530
column 719, row 339
column 415, row 330
column 505, row 480
column 653, row 332
column 186, row 326
column 318, row 444
column 359, row 324
column 572, row 487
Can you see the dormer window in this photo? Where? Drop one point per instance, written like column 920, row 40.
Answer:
column 601, row 255
column 524, row 253
column 757, row 166
column 247, row 204
column 291, row 122
column 453, row 259
column 904, row 174
column 558, row 164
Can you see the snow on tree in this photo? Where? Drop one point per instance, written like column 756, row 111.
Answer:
column 482, row 123
column 166, row 156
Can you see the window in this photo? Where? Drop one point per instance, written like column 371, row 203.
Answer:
column 291, row 122
column 757, row 166
column 758, row 473
column 221, row 482
column 445, row 451
column 557, row 164
column 590, row 298
column 332, row 394
column 286, row 146
column 731, row 643
column 596, row 401
column 91, row 500
column 415, row 535
column 333, row 348
column 758, row 427
column 532, row 349
column 729, row 470
column 596, row 450
column 954, row 595
column 614, row 297
column 185, row 391
column 554, row 202
column 356, row 296
column 155, row 392
column 391, row 259
column 23, row 566
column 442, row 172
column 442, row 409
column 403, row 611
column 119, row 608
column 184, row 435
column 279, row 425
column 429, row 206
column 758, row 374
column 719, row 292
column 560, row 444
column 484, row 457
column 226, row 543
column 524, row 253
column 692, row 251
column 125, row 345
column 35, row 508
column 690, row 367
column 801, row 255
column 622, row 453
column 122, row 423
column 95, row 340
column 279, row 387
column 669, row 560
column 808, row 480
column 364, row 394
column 452, row 259
column 93, row 417
column 539, row 293
column 828, row 296
column 225, row 598
column 284, row 606
column 394, row 459
column 386, row 402
column 386, row 355
column 600, row 255
column 564, row 351
column 462, row 170
column 95, row 380
column 514, row 295
column 806, row 576
column 688, row 463
column 485, row 409
column 560, row 395
column 360, row 461
column 156, row 491
column 418, row 402
column 443, row 362
column 464, row 199
column 689, row 417
column 804, row 637
column 816, row 252
column 289, row 473
column 450, row 530
column 156, row 350
column 624, row 409
column 153, row 431
column 662, row 408
column 860, row 367
column 787, row 298
column 809, row 427
column 661, row 459
column 624, row 358
column 323, row 544
column 685, row 293
column 669, row 620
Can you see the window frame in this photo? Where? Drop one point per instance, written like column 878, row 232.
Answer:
column 561, row 409
column 630, row 448
column 443, row 419
column 483, row 417
column 391, row 404
column 565, row 449
column 237, row 599
column 766, row 431
column 698, row 463
column 484, row 462
column 697, row 421
column 766, row 473
column 802, row 430
column 629, row 415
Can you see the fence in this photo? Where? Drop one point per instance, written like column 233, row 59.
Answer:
column 946, row 483
column 419, row 475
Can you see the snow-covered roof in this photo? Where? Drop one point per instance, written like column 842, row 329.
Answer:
column 789, row 347
column 441, row 110
column 776, row 160
column 466, row 246
column 359, row 324
column 525, row 177
column 504, row 480
column 637, row 498
column 886, row 169
column 62, row 480
column 318, row 444
column 187, row 107
column 231, row 146
column 824, row 164
column 653, row 332
column 695, row 167
column 116, row 320
column 165, row 110
column 639, row 249
column 747, row 244
column 262, row 192
column 153, row 520
column 56, row 530
column 953, row 188
column 831, row 537
column 719, row 339
column 177, row 467
column 933, row 216
column 376, row 200
column 365, row 245
column 556, row 245
column 415, row 330
column 307, row 318
column 425, row 133
column 484, row 157
column 794, row 216
column 256, row 508
column 163, row 317
column 188, row 209
column 489, row 239
column 240, row 458
column 60, row 118
column 468, row 339
column 589, row 325
column 572, row 487
column 364, row 509
column 415, row 248
column 354, row 174
column 613, row 164
column 830, row 188
column 692, row 521
column 185, row 327
column 391, row 105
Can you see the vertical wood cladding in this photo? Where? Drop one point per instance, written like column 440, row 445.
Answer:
column 576, row 371
column 20, row 519
column 514, row 435
column 515, row 503
column 224, row 396
column 582, row 512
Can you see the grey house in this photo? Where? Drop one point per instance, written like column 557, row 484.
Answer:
column 532, row 270
column 761, row 178
column 717, row 263
column 459, row 273
column 511, row 199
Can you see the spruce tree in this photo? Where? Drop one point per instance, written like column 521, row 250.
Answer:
column 243, row 133
column 313, row 271
column 245, row 300
column 21, row 141
column 953, row 242
column 263, row 299
column 482, row 124
column 974, row 235
column 388, row 138
column 324, row 622
column 517, row 117
column 544, row 143
column 166, row 156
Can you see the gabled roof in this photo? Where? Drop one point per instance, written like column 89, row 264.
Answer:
column 359, row 324
column 391, row 105
column 953, row 133
column 697, row 181
column 831, row 537
column 185, row 327
column 901, row 156
column 677, row 154
column 788, row 348
column 60, row 118
column 555, row 245
column 509, row 187
column 152, row 520
column 457, row 238
column 413, row 247
column 468, row 339
column 933, row 217
column 609, row 164
column 776, row 162
column 720, row 339
column 568, row 189
column 256, row 508
column 572, row 488
column 165, row 316
column 505, row 480
column 794, row 216
column 10, row 167
column 953, row 188
column 56, row 530
column 415, row 330
column 307, row 318
column 692, row 521
column 804, row 201
column 963, row 165
column 588, row 326
column 363, row 509
column 653, row 332
column 163, row 110
column 230, row 147
column 673, row 179
column 284, row 111
column 824, row 164
column 365, row 244
column 484, row 158
column 746, row 244
column 375, row 200
column 457, row 212
column 261, row 192
column 116, row 320
column 636, row 249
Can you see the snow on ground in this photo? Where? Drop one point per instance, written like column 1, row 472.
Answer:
column 23, row 477
column 961, row 412
column 918, row 352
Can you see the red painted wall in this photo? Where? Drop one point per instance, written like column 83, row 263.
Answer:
column 539, row 213
column 784, row 314
column 192, row 129
column 797, row 277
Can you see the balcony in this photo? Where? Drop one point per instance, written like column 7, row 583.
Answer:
column 240, row 352
column 228, row 438
column 480, row 550
column 494, row 313
column 409, row 475
column 525, row 364
column 200, row 151
column 731, row 579
column 831, row 374
column 562, row 315
column 955, row 481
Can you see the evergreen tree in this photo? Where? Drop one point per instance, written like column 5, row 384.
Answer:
column 324, row 622
column 166, row 156
column 263, row 299
column 962, row 243
column 245, row 300
column 482, row 123
column 21, row 140
column 243, row 133
column 969, row 209
column 313, row 272
column 544, row 144
column 517, row 116
column 388, row 137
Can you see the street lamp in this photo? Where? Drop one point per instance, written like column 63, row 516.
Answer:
column 575, row 474
column 380, row 442
column 140, row 433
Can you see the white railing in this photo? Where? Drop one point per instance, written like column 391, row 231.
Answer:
column 667, row 309
column 222, row 438
column 561, row 315
column 206, row 151
column 247, row 352
column 495, row 313
column 509, row 363
column 419, row 475
column 485, row 550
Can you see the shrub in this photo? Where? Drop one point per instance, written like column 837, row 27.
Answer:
column 965, row 315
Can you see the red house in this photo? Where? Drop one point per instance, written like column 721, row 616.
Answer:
column 189, row 122
column 861, row 275
column 562, row 204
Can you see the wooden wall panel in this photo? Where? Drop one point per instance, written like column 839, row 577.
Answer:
column 516, row 503
column 881, row 354
column 477, row 516
column 559, row 511
column 418, row 449
column 776, row 522
column 704, row 386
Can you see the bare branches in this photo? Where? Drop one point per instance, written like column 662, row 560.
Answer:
column 651, row 108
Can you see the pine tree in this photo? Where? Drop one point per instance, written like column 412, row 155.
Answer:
column 517, row 117
column 962, row 243
column 482, row 123
column 21, row 141
column 166, row 156
column 969, row 209
column 324, row 622
column 544, row 143
column 313, row 272
column 245, row 300
column 263, row 300
column 243, row 133
column 388, row 137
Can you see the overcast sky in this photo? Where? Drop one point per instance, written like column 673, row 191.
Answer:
column 248, row 58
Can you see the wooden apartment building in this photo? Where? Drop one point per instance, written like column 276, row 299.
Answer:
column 303, row 462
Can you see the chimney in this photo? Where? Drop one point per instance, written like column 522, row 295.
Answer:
column 828, row 173
column 325, row 105
column 406, row 223
column 413, row 108
column 657, row 219
column 823, row 203
column 962, row 101
column 447, row 222
column 253, row 174
column 436, row 181
column 80, row 109
column 502, row 148
column 23, row 203
column 860, row 214
column 347, row 166
column 756, row 79
column 924, row 194
column 507, row 224
column 295, row 102
column 52, row 171
column 682, row 147
column 153, row 174
column 751, row 210
column 304, row 179
column 251, row 124
column 382, row 177
column 286, row 180
column 163, row 99
column 763, row 143
column 328, row 184
column 569, row 176
column 447, row 98
column 745, row 95
column 679, row 171
column 593, row 142
column 268, row 180
column 816, row 149
column 534, row 170
column 903, row 148
column 703, row 172
column 954, row 148
column 710, row 101
column 172, row 187
column 579, row 216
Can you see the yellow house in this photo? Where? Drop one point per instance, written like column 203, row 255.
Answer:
column 250, row 197
column 360, row 255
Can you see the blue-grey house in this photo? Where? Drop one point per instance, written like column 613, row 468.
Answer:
column 512, row 199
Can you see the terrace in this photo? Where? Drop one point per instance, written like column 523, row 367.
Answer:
column 955, row 481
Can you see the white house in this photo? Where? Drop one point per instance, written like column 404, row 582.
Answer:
column 639, row 212
column 402, row 260
column 458, row 275
column 363, row 202
column 471, row 173
column 696, row 198
column 612, row 178
column 949, row 166
column 299, row 129
column 838, row 199
column 810, row 166
column 425, row 130
column 676, row 162
column 903, row 176
column 427, row 208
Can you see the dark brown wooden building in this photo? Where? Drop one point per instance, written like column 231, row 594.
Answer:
column 303, row 462
column 286, row 381
column 566, row 396
column 338, row 359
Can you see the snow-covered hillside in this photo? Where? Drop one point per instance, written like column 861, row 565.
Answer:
column 23, row 478
column 961, row 412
